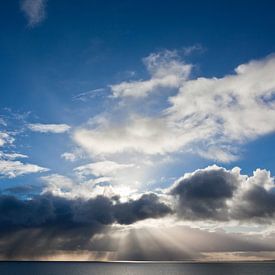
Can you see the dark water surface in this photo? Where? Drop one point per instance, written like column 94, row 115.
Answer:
column 70, row 268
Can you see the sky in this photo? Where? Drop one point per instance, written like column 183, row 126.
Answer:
column 128, row 123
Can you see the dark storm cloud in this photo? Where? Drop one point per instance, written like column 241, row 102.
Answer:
column 147, row 206
column 218, row 194
column 203, row 194
column 49, row 223
column 47, row 210
column 46, row 223
column 256, row 203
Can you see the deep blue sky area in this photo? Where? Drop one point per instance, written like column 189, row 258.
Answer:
column 85, row 45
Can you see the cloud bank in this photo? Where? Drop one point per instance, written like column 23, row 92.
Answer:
column 213, row 193
column 56, row 222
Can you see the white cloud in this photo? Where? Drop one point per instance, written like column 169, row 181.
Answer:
column 101, row 168
column 222, row 153
column 12, row 169
column 208, row 116
column 239, row 107
column 59, row 185
column 144, row 135
column 35, row 11
column 56, row 181
column 5, row 138
column 69, row 156
column 166, row 71
column 62, row 186
column 11, row 156
column 49, row 128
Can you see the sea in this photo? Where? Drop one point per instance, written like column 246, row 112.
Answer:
column 133, row 268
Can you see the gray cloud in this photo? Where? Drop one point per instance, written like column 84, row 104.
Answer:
column 53, row 223
column 47, row 210
column 256, row 199
column 148, row 206
column 215, row 193
column 203, row 194
column 256, row 203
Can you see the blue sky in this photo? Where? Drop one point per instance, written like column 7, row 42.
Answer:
column 125, row 97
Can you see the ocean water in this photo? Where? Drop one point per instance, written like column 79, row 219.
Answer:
column 70, row 268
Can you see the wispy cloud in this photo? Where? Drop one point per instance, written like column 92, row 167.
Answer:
column 10, row 166
column 102, row 168
column 49, row 128
column 85, row 96
column 5, row 138
column 197, row 48
column 11, row 156
column 34, row 10
column 12, row 169
column 166, row 70
column 69, row 156
column 3, row 122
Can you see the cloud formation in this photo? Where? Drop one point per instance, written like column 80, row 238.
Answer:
column 166, row 70
column 69, row 156
column 210, row 194
column 10, row 166
column 34, row 10
column 101, row 168
column 56, row 223
column 136, row 135
column 210, row 117
column 256, row 198
column 12, row 169
column 49, row 128
column 203, row 194
column 235, row 108
column 5, row 138
column 217, row 194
